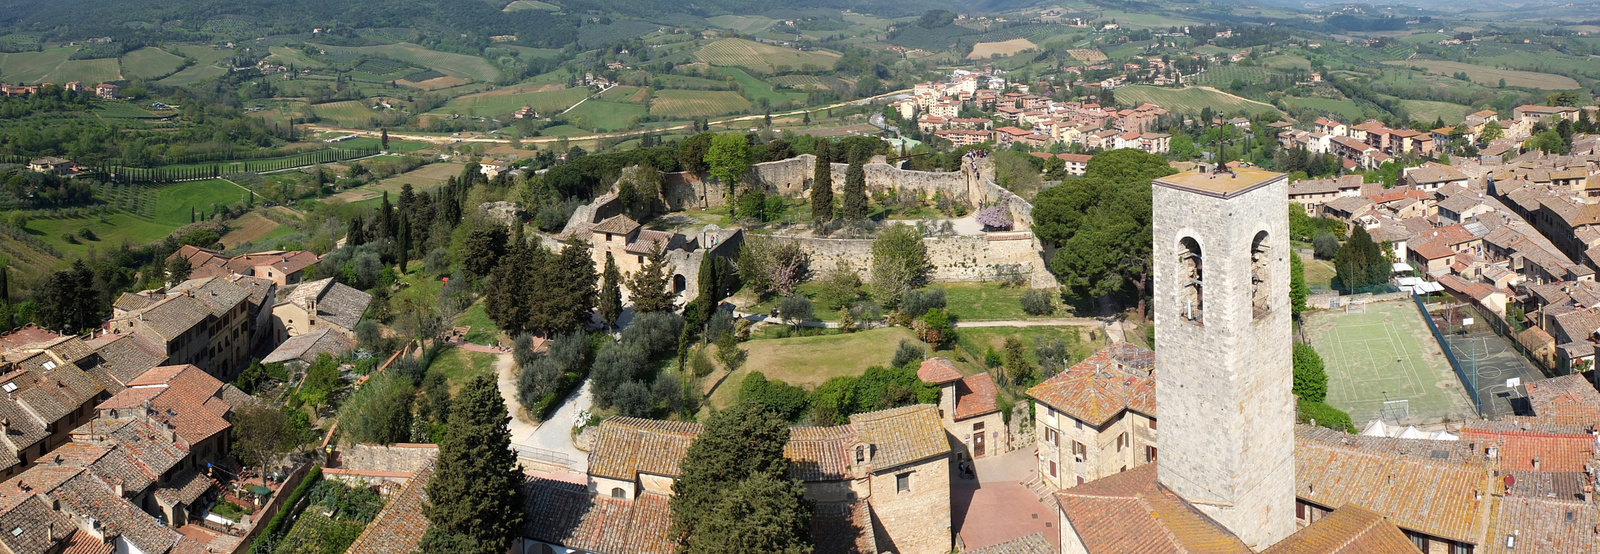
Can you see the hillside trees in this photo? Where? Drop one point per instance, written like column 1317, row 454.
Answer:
column 651, row 287
column 650, row 339
column 1361, row 263
column 899, row 264
column 728, row 160
column 535, row 290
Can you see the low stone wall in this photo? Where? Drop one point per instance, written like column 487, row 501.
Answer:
column 986, row 257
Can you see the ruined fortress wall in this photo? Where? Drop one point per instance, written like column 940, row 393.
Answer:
column 954, row 258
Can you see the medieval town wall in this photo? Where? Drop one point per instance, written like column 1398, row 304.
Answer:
column 988, row 257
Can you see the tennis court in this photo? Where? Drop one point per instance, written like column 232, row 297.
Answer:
column 1383, row 362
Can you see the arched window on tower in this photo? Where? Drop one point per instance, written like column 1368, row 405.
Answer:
column 1190, row 277
column 1260, row 276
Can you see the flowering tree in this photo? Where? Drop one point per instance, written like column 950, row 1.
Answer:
column 995, row 217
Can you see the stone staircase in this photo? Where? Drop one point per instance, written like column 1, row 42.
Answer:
column 1038, row 486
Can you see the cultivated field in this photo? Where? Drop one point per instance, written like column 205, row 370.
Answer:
column 502, row 102
column 435, row 83
column 85, row 71
column 1088, row 55
column 1224, row 75
column 744, row 24
column 696, row 103
column 250, row 227
column 150, row 62
column 1489, row 76
column 206, row 65
column 799, row 81
column 606, row 116
column 1385, row 354
column 31, row 67
column 172, row 207
column 985, row 50
column 350, row 113
column 762, row 58
column 1346, row 109
column 292, row 56
column 1425, row 110
column 1190, row 100
column 455, row 65
column 531, row 5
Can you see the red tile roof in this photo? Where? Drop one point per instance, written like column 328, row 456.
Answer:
column 975, row 396
column 938, row 371
column 1543, row 525
column 1101, row 386
column 1442, row 497
column 1132, row 512
column 1533, row 449
column 399, row 527
column 179, row 396
column 1348, row 530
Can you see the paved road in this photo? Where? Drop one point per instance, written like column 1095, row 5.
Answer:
column 1112, row 328
column 552, row 439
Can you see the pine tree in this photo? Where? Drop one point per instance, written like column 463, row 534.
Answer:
column 649, row 286
column 853, row 207
column 611, row 293
column 822, row 184
column 476, row 489
column 385, row 221
column 507, row 301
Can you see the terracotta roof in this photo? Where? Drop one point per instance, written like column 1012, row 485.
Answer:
column 1431, row 249
column 1348, row 530
column 307, row 346
column 1101, row 386
column 183, row 396
column 336, row 303
column 1132, row 512
column 843, row 528
column 81, row 542
column 820, row 453
column 31, row 527
column 616, row 225
column 975, row 396
column 86, row 494
column 1542, row 525
column 185, row 487
column 399, row 527
column 938, row 371
column 285, row 262
column 120, row 359
column 1435, row 497
column 1533, row 449
column 171, row 317
column 625, row 447
column 218, row 294
column 901, row 435
column 1031, row 544
column 566, row 514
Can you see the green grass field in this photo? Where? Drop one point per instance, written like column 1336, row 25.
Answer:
column 1385, row 353
column 150, row 62
column 697, row 103
column 88, row 72
column 207, row 65
column 350, row 113
column 1347, row 109
column 483, row 330
column 121, row 110
column 1425, row 110
column 173, row 203
column 1189, row 100
column 1489, row 76
column 459, row 366
column 31, row 67
column 1225, row 75
column 744, row 24
column 294, row 57
column 496, row 104
column 606, row 116
column 455, row 65
column 799, row 81
column 762, row 58
column 809, row 361
column 756, row 89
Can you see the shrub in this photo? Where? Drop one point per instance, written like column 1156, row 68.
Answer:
column 1038, row 302
column 633, row 399
column 1310, row 380
column 1325, row 246
column 918, row 302
column 795, row 310
column 1324, row 415
column 936, row 327
column 378, row 412
column 907, row 352
column 780, row 398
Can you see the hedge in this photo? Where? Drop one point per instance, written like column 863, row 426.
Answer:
column 1325, row 416
column 270, row 532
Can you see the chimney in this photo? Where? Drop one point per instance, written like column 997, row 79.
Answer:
column 50, row 532
column 1536, row 463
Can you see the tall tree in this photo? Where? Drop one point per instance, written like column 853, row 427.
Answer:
column 384, row 139
column 899, row 264
column 177, row 269
column 385, row 222
column 403, row 243
column 740, row 443
column 760, row 514
column 853, row 205
column 68, row 301
column 611, row 293
column 482, row 250
column 710, row 283
column 822, row 184
column 1360, row 263
column 651, row 286
column 508, row 299
column 259, row 436
column 728, row 159
column 476, row 489
column 380, row 411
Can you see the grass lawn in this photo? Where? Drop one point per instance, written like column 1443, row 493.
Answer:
column 173, row 203
column 808, row 361
column 459, row 365
column 757, row 89
column 606, row 115
column 1319, row 275
column 974, row 341
column 150, row 62
column 983, row 301
column 483, row 330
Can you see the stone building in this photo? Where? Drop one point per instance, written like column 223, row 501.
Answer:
column 880, row 484
column 208, row 322
column 1221, row 310
column 317, row 305
column 968, row 408
column 1097, row 418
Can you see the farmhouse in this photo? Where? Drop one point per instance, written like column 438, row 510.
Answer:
column 107, row 91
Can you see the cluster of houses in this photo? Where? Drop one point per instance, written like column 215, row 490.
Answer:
column 1370, row 144
column 1036, row 121
column 106, row 91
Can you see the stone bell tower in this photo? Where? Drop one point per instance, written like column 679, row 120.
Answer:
column 1223, row 366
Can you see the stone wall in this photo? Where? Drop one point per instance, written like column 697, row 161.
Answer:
column 985, row 257
column 916, row 521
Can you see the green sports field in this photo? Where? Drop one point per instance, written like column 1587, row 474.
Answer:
column 1385, row 353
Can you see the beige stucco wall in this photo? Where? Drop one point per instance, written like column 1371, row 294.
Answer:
column 918, row 521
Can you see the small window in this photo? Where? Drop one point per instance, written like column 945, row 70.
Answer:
column 1080, row 479
column 1052, row 468
column 9, row 387
column 861, row 454
column 1299, row 510
column 1152, row 423
column 902, row 482
column 1079, row 451
column 976, row 427
column 617, row 492
column 1150, row 454
column 1079, row 423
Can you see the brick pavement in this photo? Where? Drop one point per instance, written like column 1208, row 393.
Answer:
column 995, row 507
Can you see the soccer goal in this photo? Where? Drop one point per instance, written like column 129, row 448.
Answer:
column 1397, row 410
column 1355, row 307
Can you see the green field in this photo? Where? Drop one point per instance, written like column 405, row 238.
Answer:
column 1286, row 61
column 1189, row 100
column 799, row 81
column 697, row 103
column 350, row 113
column 756, row 89
column 1225, row 75
column 1347, row 109
column 455, row 65
column 499, row 104
column 121, row 110
column 1385, row 353
column 744, row 24
column 459, row 366
column 293, row 57
column 606, row 116
column 150, row 62
column 531, row 5
column 172, row 206
column 1425, row 110
column 207, row 65
column 809, row 361
column 763, row 58
column 32, row 67
column 1489, row 76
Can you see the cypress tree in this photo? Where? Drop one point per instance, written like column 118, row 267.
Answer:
column 475, row 494
column 403, row 249
column 854, row 205
column 710, row 283
column 385, row 218
column 822, row 184
column 611, row 293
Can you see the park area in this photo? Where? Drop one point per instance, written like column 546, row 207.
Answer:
column 1382, row 361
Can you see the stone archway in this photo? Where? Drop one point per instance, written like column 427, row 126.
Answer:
column 679, row 283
